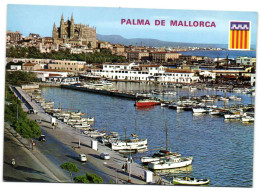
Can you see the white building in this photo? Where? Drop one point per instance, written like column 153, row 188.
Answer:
column 253, row 79
column 207, row 73
column 144, row 72
column 15, row 67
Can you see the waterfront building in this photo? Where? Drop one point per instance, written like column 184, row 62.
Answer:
column 15, row 67
column 246, row 61
column 253, row 77
column 69, row 65
column 160, row 57
column 31, row 66
column 13, row 36
column 177, row 76
column 29, row 60
column 74, row 34
column 144, row 72
column 43, row 74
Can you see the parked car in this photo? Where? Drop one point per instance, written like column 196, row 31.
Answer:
column 105, row 156
column 42, row 138
column 82, row 157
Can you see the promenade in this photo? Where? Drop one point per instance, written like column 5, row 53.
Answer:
column 70, row 137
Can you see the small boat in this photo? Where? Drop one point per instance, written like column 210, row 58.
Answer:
column 199, row 110
column 190, row 181
column 248, row 119
column 147, row 102
column 159, row 156
column 215, row 112
column 170, row 163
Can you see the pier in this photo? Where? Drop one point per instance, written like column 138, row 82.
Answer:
column 116, row 93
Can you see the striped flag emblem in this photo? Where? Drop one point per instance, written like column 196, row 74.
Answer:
column 239, row 37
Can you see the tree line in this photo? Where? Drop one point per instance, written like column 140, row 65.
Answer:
column 105, row 55
column 15, row 115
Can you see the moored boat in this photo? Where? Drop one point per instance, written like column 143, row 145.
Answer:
column 175, row 162
column 147, row 102
column 190, row 181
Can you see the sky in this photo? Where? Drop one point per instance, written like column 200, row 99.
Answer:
column 40, row 19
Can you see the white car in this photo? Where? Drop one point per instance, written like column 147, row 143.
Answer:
column 83, row 157
column 105, row 156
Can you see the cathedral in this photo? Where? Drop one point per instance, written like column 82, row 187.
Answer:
column 74, row 34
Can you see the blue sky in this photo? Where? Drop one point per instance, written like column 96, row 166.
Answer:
column 39, row 19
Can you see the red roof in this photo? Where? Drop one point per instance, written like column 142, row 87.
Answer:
column 29, row 64
column 177, row 71
column 52, row 75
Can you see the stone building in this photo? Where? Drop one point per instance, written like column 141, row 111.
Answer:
column 13, row 36
column 74, row 34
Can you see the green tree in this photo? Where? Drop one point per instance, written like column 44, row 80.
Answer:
column 71, row 167
column 89, row 178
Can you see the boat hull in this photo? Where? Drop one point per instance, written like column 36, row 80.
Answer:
column 168, row 165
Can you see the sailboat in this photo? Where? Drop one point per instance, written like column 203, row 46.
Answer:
column 161, row 154
column 170, row 162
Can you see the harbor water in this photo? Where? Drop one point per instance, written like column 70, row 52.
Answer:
column 222, row 150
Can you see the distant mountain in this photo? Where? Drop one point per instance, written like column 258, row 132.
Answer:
column 117, row 39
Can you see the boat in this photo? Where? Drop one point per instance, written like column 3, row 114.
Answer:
column 215, row 112
column 147, row 102
column 159, row 156
column 171, row 162
column 199, row 110
column 129, row 144
column 190, row 181
column 248, row 119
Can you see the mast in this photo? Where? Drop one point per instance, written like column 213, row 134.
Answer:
column 166, row 134
column 125, row 136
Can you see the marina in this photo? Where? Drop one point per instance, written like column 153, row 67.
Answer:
column 189, row 134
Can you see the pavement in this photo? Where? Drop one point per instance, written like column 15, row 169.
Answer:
column 27, row 167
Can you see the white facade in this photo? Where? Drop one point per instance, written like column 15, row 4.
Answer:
column 177, row 77
column 206, row 73
column 143, row 72
column 253, row 79
column 16, row 67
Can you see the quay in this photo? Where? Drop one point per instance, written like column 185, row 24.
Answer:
column 72, row 139
column 116, row 93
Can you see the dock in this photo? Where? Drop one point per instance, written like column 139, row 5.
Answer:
column 115, row 93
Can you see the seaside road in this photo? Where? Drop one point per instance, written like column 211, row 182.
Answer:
column 27, row 168
column 58, row 153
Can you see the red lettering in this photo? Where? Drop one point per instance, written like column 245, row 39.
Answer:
column 190, row 25
column 195, row 23
column 185, row 24
column 180, row 23
column 201, row 24
column 207, row 24
column 128, row 22
column 147, row 22
column 157, row 22
column 122, row 21
column 163, row 23
column 140, row 22
column 173, row 23
column 213, row 24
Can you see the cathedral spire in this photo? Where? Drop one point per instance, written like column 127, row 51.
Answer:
column 62, row 17
column 72, row 19
column 54, row 26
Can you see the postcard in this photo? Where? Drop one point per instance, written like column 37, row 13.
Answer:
column 129, row 96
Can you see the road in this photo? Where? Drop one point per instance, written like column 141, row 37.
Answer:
column 27, row 168
column 59, row 153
